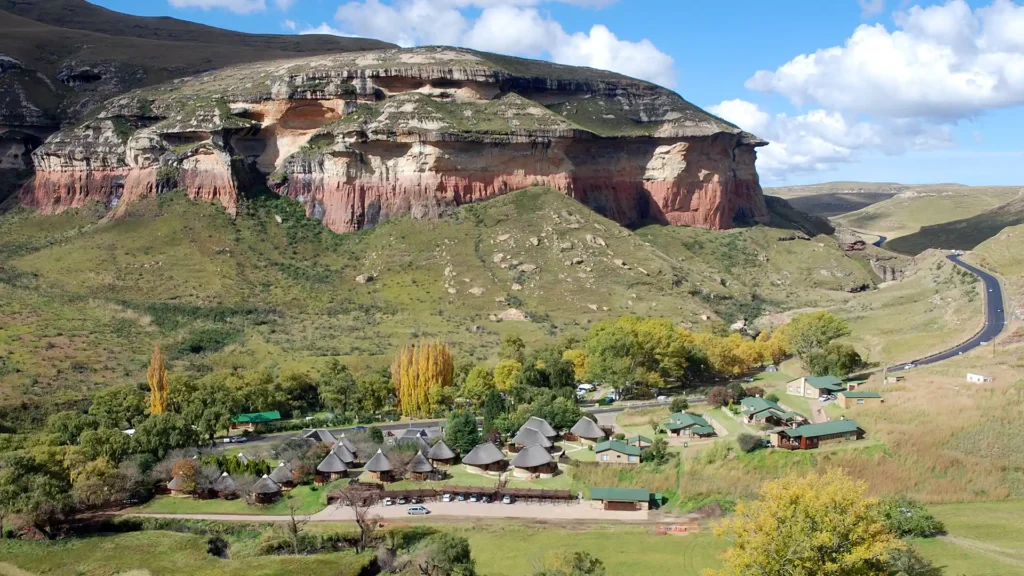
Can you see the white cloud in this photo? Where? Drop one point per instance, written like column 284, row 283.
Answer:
column 945, row 62
column 289, row 25
column 323, row 28
column 236, row 6
column 507, row 26
column 284, row 5
column 819, row 139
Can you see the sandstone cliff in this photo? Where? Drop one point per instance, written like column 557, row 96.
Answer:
column 361, row 137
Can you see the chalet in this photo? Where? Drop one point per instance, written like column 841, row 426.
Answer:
column 530, row 437
column 379, row 467
column 251, row 421
column 176, row 487
column 587, row 431
column 756, row 410
column 484, row 458
column 815, row 386
column 225, row 486
column 329, row 469
column 639, row 441
column 440, row 454
column 686, row 424
column 419, row 434
column 420, row 468
column 344, row 454
column 322, row 436
column 346, row 443
column 621, row 499
column 534, row 461
column 617, row 452
column 265, row 490
column 540, row 425
column 851, row 398
column 810, row 436
column 283, row 476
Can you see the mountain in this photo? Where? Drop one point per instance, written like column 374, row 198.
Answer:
column 58, row 58
column 361, row 137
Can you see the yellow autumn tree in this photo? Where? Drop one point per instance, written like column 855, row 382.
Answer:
column 420, row 374
column 815, row 525
column 158, row 382
column 579, row 363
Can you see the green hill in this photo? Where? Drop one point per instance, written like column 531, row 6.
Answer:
column 962, row 234
column 83, row 299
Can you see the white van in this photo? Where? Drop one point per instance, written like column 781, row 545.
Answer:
column 417, row 510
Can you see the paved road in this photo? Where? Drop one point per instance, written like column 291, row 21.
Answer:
column 995, row 317
column 335, row 513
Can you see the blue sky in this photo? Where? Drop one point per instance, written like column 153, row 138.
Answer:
column 871, row 90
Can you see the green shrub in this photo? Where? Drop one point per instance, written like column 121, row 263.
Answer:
column 210, row 339
column 907, row 517
column 749, row 442
column 679, row 404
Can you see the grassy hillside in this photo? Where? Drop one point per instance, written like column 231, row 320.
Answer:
column 924, row 206
column 962, row 233
column 1002, row 254
column 83, row 299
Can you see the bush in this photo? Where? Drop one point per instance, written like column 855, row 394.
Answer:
column 210, row 339
column 907, row 517
column 679, row 404
column 771, row 397
column 619, row 436
column 749, row 442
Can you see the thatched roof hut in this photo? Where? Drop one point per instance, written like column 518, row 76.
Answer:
column 587, row 429
column 531, row 437
column 346, row 455
column 283, row 475
column 225, row 484
column 541, row 425
column 324, row 436
column 486, row 456
column 265, row 490
column 534, row 459
column 441, row 453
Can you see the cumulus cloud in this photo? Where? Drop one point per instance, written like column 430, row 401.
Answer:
column 284, row 5
column 236, row 6
column 289, row 25
column 871, row 7
column 323, row 28
column 819, row 139
column 945, row 62
column 507, row 26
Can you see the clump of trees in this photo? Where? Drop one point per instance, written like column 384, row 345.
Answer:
column 422, row 375
column 812, row 337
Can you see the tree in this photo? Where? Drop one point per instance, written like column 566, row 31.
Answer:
column 531, row 377
column 207, row 404
column 113, row 445
column 720, row 396
column 578, row 359
column 420, row 375
column 512, row 348
column 907, row 517
column 812, row 332
column 656, row 453
column 907, row 562
column 158, row 382
column 294, row 528
column 559, row 411
column 494, row 407
column 575, row 564
column 506, row 374
column 679, row 404
column 774, row 346
column 771, row 397
column 359, row 501
column 749, row 442
column 374, row 391
column 835, row 359
column 447, row 555
column 163, row 432
column 337, row 387
column 68, row 426
column 461, row 433
column 92, row 485
column 817, row 525
column 119, row 407
column 187, row 470
column 375, row 434
column 302, row 392
column 479, row 384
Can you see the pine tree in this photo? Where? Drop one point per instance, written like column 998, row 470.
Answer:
column 158, row 382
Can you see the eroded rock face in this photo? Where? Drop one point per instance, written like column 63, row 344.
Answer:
column 360, row 138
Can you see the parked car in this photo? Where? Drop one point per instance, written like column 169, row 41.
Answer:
column 401, row 500
column 748, row 379
column 909, row 366
column 662, row 398
column 486, row 499
column 389, row 502
column 507, row 500
column 461, row 498
column 586, row 387
column 474, row 498
column 417, row 510
column 446, row 498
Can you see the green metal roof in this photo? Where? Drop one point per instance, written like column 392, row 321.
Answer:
column 703, row 430
column 822, row 429
column 686, row 419
column 617, row 446
column 754, row 404
column 860, row 394
column 639, row 438
column 672, row 426
column 257, row 417
column 620, row 494
column 826, row 383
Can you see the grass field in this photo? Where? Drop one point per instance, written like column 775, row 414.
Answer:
column 984, row 539
column 161, row 553
column 307, row 500
column 82, row 300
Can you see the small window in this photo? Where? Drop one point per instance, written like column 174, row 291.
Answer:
column 604, row 457
column 860, row 401
column 632, row 458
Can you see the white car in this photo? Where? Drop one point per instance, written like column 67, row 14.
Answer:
column 474, row 498
column 446, row 498
column 585, row 387
column 662, row 398
column 506, row 500
column 417, row 510
column 389, row 502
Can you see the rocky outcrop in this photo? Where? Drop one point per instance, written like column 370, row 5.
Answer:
column 360, row 138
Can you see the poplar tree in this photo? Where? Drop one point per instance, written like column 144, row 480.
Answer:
column 158, row 382
column 421, row 372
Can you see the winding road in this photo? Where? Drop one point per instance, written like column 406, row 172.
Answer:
column 995, row 317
